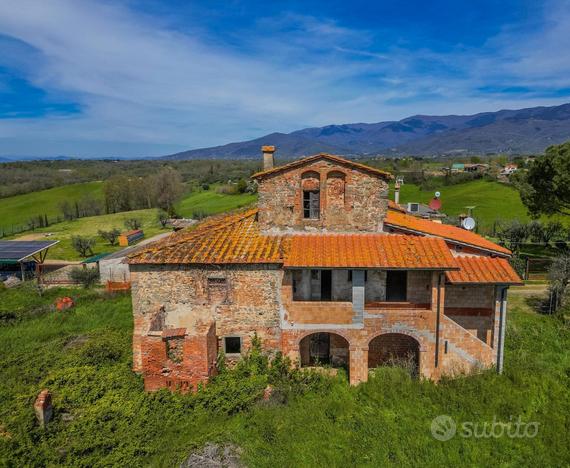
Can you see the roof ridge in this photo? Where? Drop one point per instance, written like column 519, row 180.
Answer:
column 332, row 157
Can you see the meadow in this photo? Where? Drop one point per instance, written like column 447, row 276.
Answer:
column 102, row 416
column 205, row 202
column 18, row 209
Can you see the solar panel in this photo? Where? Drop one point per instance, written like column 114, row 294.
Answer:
column 19, row 250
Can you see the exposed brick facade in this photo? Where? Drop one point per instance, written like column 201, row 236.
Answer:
column 183, row 313
column 350, row 199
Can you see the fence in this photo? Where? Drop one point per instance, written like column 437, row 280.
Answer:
column 537, row 268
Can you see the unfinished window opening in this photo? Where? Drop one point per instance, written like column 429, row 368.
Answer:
column 175, row 348
column 396, row 286
column 232, row 345
column 311, row 189
column 311, row 204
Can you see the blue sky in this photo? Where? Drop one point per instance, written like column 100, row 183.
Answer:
column 148, row 77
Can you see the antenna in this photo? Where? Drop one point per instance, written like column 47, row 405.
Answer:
column 470, row 210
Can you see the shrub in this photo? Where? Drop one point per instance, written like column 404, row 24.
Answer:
column 83, row 245
column 163, row 218
column 87, row 277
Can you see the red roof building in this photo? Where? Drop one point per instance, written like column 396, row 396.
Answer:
column 326, row 270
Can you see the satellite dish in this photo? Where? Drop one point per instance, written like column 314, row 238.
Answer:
column 437, row 194
column 468, row 223
column 435, row 204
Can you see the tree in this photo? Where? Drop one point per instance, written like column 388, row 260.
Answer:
column 85, row 276
column 133, row 223
column 168, row 188
column 110, row 236
column 551, row 231
column 163, row 218
column 513, row 234
column 83, row 245
column 559, row 276
column 545, row 188
column 241, row 186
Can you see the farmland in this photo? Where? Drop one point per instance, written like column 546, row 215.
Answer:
column 21, row 207
column 103, row 417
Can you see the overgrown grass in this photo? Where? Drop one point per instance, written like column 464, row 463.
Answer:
column 104, row 418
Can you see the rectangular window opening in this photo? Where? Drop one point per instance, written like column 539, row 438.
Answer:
column 311, row 204
column 232, row 345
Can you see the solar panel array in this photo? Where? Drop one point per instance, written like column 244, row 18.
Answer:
column 18, row 250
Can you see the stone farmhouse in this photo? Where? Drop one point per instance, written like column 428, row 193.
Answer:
column 326, row 270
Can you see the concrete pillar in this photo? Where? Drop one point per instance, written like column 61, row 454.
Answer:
column 502, row 328
column 358, row 371
column 358, row 295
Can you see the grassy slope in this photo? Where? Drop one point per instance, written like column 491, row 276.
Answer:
column 493, row 201
column 18, row 209
column 208, row 202
column 84, row 356
column 211, row 202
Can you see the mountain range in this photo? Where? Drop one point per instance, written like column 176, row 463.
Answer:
column 523, row 131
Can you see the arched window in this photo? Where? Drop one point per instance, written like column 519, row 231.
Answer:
column 311, row 189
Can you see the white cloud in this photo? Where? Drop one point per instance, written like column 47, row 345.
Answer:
column 140, row 83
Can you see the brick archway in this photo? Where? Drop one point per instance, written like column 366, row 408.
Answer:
column 394, row 349
column 324, row 348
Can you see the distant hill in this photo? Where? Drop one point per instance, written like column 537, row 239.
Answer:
column 524, row 131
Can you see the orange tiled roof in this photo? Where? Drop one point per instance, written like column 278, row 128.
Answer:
column 330, row 157
column 451, row 233
column 485, row 270
column 368, row 251
column 227, row 239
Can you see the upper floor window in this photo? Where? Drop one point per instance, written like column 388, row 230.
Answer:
column 311, row 189
column 311, row 204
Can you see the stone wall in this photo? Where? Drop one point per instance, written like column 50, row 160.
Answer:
column 239, row 300
column 350, row 199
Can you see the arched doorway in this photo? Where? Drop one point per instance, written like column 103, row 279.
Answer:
column 324, row 349
column 394, row 349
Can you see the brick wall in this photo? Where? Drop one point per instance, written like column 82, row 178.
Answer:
column 350, row 199
column 188, row 300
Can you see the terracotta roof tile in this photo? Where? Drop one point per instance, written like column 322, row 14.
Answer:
column 368, row 251
column 330, row 157
column 227, row 239
column 452, row 233
column 483, row 270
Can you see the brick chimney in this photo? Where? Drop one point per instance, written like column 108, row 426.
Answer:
column 268, row 157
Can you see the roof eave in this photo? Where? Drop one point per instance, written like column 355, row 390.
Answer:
column 496, row 252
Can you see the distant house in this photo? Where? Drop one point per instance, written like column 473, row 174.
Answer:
column 472, row 168
column 509, row 169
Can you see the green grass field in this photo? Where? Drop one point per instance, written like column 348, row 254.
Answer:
column 206, row 202
column 493, row 201
column 18, row 209
column 210, row 202
column 102, row 416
